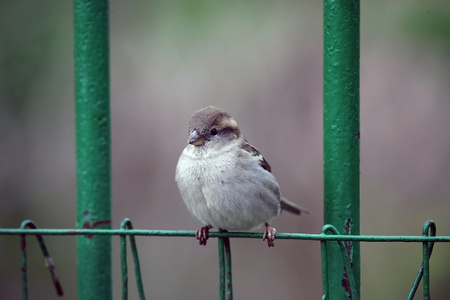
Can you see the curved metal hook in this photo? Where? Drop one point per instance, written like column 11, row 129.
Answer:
column 125, row 225
column 429, row 229
column 330, row 229
column 48, row 260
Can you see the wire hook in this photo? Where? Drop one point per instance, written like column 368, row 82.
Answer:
column 429, row 229
column 48, row 260
column 125, row 225
column 330, row 229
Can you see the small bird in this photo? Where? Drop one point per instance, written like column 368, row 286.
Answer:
column 224, row 180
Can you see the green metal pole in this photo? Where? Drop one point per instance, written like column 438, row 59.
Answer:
column 341, row 138
column 91, row 36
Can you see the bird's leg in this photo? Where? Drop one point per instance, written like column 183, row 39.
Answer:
column 201, row 234
column 269, row 235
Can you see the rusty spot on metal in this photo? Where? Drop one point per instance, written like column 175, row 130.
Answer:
column 39, row 238
column 346, row 284
column 58, row 286
column 23, row 243
column 87, row 225
column 349, row 250
column 101, row 222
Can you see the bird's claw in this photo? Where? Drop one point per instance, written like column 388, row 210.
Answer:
column 201, row 234
column 269, row 235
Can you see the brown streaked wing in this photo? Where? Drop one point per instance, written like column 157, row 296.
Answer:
column 263, row 162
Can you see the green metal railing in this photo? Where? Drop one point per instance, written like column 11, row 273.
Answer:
column 329, row 235
column 91, row 49
column 341, row 140
column 340, row 238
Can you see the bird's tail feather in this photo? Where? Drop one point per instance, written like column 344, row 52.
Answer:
column 292, row 207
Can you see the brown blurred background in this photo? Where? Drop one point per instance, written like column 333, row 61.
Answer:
column 262, row 62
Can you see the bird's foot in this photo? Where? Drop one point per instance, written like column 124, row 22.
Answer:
column 201, row 234
column 269, row 235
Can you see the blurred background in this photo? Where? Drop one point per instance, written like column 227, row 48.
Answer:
column 262, row 62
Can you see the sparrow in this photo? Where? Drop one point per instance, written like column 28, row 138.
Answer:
column 224, row 180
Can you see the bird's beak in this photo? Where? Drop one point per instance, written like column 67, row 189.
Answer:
column 196, row 139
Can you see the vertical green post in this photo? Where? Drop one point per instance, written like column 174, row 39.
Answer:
column 91, row 37
column 341, row 138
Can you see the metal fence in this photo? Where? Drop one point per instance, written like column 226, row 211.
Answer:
column 340, row 250
column 329, row 235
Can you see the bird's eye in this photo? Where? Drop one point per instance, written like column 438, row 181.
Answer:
column 213, row 131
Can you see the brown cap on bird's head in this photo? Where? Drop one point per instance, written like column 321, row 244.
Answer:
column 209, row 121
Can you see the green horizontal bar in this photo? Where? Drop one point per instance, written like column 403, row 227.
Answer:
column 252, row 235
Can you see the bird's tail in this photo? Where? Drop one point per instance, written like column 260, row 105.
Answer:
column 292, row 207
